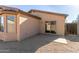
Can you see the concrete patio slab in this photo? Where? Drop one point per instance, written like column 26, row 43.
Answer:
column 61, row 40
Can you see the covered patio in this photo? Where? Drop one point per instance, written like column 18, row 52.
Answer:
column 14, row 24
column 8, row 23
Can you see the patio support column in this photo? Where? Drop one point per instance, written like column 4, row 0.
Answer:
column 5, row 28
column 18, row 28
column 5, row 23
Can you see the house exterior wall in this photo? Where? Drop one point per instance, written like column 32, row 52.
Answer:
column 25, row 26
column 8, row 36
column 60, row 22
column 28, row 26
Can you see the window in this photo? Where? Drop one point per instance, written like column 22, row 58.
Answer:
column 11, row 24
column 1, row 23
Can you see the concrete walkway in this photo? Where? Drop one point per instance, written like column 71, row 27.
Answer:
column 41, row 43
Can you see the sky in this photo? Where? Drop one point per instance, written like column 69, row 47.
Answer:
column 71, row 10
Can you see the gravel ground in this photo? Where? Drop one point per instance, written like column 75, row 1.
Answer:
column 41, row 44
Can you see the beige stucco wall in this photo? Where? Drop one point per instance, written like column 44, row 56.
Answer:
column 8, row 36
column 60, row 22
column 28, row 25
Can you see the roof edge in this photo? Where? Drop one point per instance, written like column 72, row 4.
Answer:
column 7, row 8
column 48, row 12
column 29, row 14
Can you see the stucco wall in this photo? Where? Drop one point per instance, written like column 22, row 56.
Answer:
column 29, row 26
column 8, row 36
column 60, row 21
